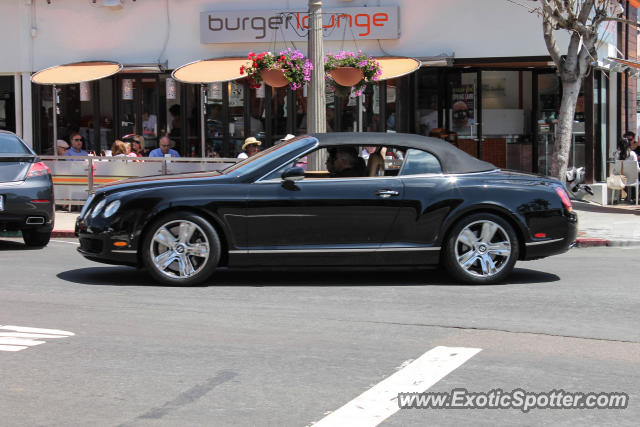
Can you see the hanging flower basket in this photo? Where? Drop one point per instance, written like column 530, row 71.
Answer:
column 351, row 69
column 347, row 76
column 290, row 67
column 274, row 77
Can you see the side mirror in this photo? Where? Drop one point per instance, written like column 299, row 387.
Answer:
column 293, row 174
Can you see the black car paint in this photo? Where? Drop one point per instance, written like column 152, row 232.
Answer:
column 310, row 222
column 20, row 193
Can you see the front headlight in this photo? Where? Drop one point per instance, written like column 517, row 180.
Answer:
column 96, row 211
column 86, row 206
column 111, row 208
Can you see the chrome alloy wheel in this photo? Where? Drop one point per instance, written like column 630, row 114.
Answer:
column 179, row 249
column 483, row 248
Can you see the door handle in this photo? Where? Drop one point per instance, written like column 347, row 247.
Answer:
column 385, row 194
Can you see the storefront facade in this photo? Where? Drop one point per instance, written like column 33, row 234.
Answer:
column 486, row 81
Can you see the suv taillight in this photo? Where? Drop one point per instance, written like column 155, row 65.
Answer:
column 565, row 198
column 38, row 169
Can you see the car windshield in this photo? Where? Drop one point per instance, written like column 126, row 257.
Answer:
column 10, row 145
column 266, row 155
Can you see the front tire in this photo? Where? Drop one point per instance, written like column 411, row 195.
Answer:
column 181, row 248
column 481, row 249
column 36, row 239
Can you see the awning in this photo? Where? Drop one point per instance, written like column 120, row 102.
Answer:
column 211, row 70
column 627, row 63
column 396, row 66
column 76, row 73
column 618, row 65
column 634, row 3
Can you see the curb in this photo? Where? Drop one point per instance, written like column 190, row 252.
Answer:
column 54, row 233
column 63, row 233
column 588, row 242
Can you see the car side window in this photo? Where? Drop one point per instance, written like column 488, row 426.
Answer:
column 420, row 162
column 9, row 144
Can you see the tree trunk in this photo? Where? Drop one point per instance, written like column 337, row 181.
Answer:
column 562, row 145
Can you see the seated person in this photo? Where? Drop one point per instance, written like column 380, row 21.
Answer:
column 344, row 162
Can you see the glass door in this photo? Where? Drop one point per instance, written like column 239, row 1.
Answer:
column 463, row 125
column 139, row 109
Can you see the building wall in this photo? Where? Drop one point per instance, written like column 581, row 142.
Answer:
column 75, row 30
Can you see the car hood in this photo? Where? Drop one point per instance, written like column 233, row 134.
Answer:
column 164, row 181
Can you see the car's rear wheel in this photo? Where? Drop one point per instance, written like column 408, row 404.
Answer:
column 181, row 248
column 35, row 238
column 481, row 249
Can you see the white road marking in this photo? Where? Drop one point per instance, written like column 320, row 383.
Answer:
column 25, row 335
column 19, row 341
column 22, row 337
column 36, row 330
column 64, row 241
column 380, row 402
column 12, row 347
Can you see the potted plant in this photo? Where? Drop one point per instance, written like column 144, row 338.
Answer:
column 290, row 67
column 346, row 69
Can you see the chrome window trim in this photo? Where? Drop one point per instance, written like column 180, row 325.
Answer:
column 304, row 153
column 262, row 179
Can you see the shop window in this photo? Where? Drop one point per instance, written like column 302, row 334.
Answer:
column 427, row 101
column 7, row 105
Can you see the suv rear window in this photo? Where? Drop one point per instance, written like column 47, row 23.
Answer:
column 9, row 144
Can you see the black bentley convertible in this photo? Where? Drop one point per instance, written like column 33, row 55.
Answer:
column 424, row 203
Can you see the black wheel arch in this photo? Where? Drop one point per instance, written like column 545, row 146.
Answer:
column 213, row 219
column 518, row 226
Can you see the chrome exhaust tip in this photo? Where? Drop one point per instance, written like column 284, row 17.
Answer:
column 35, row 220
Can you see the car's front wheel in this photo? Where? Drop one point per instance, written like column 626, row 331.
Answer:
column 481, row 249
column 35, row 238
column 181, row 248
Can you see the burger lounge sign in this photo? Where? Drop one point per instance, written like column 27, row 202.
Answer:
column 268, row 25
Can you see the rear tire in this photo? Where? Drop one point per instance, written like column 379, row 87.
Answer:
column 36, row 239
column 180, row 249
column 481, row 249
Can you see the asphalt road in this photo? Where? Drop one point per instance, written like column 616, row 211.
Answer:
column 286, row 348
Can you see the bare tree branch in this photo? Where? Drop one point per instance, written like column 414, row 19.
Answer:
column 552, row 46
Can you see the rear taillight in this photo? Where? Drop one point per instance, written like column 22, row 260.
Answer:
column 565, row 198
column 38, row 169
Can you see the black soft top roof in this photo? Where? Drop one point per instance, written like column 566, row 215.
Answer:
column 452, row 159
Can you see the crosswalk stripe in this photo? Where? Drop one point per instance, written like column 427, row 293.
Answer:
column 380, row 402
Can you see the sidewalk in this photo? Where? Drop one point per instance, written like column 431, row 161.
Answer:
column 65, row 224
column 598, row 225
column 617, row 225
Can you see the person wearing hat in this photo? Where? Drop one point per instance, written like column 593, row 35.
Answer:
column 287, row 137
column 249, row 148
column 61, row 147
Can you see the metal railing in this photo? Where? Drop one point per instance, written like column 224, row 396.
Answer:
column 74, row 178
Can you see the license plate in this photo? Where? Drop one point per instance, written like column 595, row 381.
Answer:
column 1, row 202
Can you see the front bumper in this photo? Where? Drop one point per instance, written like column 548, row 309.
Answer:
column 100, row 242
